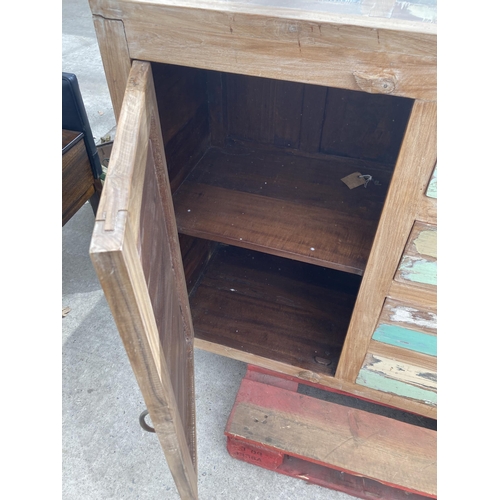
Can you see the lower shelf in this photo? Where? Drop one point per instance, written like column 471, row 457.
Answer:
column 359, row 453
column 283, row 310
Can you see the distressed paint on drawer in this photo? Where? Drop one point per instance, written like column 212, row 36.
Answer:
column 404, row 337
column 419, row 262
column 432, row 189
column 380, row 382
column 396, row 371
column 411, row 317
column 407, row 326
column 401, row 370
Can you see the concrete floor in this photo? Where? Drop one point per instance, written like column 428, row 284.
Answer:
column 105, row 452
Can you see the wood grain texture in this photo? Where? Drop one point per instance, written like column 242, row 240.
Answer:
column 77, row 178
column 370, row 445
column 124, row 253
column 115, row 57
column 370, row 377
column 410, row 316
column 360, row 125
column 404, row 355
column 217, row 96
column 283, row 203
column 286, row 311
column 417, row 157
column 69, row 139
column 412, row 295
column 432, row 188
column 158, row 269
column 183, row 112
column 315, row 119
column 405, row 337
column 419, row 262
column 402, row 371
column 196, row 254
column 308, row 47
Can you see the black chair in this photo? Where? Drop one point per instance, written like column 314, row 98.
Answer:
column 81, row 164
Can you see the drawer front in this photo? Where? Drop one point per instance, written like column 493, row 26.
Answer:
column 401, row 357
column 419, row 262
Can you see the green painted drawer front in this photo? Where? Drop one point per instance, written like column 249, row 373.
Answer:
column 419, row 262
column 370, row 376
column 401, row 357
column 408, row 339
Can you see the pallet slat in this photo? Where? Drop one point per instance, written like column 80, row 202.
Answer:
column 276, row 420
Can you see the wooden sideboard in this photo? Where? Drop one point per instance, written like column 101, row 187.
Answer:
column 271, row 197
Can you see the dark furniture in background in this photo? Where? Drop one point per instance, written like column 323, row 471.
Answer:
column 81, row 166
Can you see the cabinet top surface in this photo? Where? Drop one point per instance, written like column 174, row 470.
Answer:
column 404, row 15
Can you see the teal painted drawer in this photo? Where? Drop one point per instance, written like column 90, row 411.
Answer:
column 401, row 358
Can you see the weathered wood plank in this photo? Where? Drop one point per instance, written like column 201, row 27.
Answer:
column 282, row 203
column 355, row 441
column 115, row 57
column 234, row 37
column 365, row 126
column 404, row 337
column 284, row 310
column 409, row 316
column 380, row 382
column 115, row 251
column 319, row 379
column 403, row 371
column 419, row 262
column 413, row 295
column 415, row 358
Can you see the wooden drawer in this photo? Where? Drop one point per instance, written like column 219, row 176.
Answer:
column 419, row 262
column 401, row 357
column 77, row 177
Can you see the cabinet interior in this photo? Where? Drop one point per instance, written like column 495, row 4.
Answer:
column 274, row 244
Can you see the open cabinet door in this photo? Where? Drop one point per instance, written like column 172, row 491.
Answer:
column 135, row 251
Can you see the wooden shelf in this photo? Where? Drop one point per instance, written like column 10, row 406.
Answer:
column 284, row 203
column 276, row 308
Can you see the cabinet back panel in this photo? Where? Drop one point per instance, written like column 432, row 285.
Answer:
column 315, row 119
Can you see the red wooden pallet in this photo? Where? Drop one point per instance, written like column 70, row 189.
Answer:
column 365, row 455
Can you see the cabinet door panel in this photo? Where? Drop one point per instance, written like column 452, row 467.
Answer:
column 136, row 254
